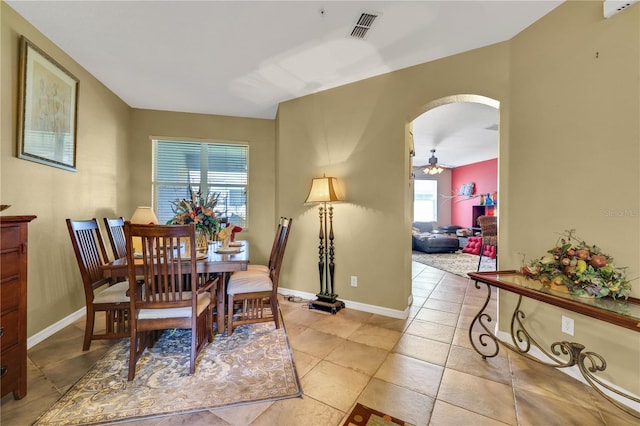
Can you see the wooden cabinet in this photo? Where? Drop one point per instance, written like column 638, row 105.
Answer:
column 13, row 301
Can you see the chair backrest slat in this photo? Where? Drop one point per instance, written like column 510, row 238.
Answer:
column 115, row 231
column 489, row 229
column 282, row 239
column 167, row 271
column 90, row 252
column 276, row 245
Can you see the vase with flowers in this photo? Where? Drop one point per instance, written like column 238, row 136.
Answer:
column 198, row 209
column 583, row 269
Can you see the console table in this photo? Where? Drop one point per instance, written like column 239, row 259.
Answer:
column 562, row 354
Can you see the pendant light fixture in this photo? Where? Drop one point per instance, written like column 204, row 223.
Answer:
column 433, row 168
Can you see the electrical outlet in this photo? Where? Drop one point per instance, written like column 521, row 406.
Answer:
column 354, row 281
column 567, row 325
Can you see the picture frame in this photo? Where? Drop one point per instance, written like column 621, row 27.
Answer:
column 47, row 109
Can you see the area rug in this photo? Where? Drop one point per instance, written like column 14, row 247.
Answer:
column 455, row 263
column 254, row 364
column 362, row 415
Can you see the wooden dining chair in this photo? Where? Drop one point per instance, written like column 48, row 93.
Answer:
column 115, row 231
column 489, row 230
column 252, row 296
column 101, row 294
column 164, row 288
column 274, row 252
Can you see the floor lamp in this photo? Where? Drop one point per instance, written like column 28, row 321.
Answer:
column 325, row 190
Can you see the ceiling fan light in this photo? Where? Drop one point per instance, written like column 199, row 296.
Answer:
column 433, row 168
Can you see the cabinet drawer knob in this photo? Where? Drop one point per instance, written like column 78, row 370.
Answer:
column 3, row 370
column 1, row 331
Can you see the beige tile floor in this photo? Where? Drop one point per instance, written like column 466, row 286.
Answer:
column 422, row 370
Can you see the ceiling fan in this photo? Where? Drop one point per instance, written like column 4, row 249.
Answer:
column 433, row 168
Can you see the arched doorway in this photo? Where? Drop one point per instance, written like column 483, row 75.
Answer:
column 464, row 132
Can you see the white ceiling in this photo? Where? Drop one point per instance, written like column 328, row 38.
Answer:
column 242, row 58
column 461, row 133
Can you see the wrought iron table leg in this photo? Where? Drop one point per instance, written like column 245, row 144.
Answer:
column 596, row 364
column 561, row 354
column 487, row 337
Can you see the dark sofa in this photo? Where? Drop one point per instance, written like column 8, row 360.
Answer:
column 424, row 240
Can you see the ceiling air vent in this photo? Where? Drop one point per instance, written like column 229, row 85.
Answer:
column 363, row 24
column 611, row 7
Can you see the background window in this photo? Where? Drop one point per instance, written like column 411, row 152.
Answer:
column 182, row 166
column 425, row 197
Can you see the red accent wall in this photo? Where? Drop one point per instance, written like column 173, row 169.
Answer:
column 485, row 176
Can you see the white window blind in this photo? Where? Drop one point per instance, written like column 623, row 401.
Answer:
column 180, row 167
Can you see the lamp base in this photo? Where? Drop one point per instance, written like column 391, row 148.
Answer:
column 327, row 306
column 327, row 297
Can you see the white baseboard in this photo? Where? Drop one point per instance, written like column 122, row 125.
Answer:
column 54, row 328
column 393, row 313
column 574, row 372
column 70, row 319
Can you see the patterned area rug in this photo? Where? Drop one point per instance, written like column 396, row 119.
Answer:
column 456, row 263
column 254, row 364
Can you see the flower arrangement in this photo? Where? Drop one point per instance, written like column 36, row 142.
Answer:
column 198, row 210
column 584, row 269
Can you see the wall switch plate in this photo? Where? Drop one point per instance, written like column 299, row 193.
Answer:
column 354, row 281
column 567, row 325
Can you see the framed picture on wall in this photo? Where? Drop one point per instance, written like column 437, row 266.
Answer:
column 47, row 109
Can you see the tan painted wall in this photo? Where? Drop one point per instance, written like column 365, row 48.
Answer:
column 358, row 133
column 572, row 160
column 258, row 133
column 55, row 288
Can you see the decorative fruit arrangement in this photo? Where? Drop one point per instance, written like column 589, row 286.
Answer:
column 584, row 269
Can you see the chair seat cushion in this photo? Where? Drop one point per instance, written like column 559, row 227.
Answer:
column 248, row 282
column 489, row 251
column 114, row 294
column 183, row 312
column 473, row 245
column 258, row 268
column 250, row 272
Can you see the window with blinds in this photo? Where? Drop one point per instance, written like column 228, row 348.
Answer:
column 180, row 167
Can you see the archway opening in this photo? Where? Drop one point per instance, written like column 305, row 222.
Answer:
column 462, row 132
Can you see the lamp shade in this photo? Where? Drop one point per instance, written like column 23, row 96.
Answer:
column 324, row 189
column 144, row 216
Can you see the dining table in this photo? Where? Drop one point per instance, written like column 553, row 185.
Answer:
column 217, row 260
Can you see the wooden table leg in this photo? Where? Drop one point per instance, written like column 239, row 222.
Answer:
column 222, row 295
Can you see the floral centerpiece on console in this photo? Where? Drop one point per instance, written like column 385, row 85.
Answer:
column 584, row 269
column 198, row 210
